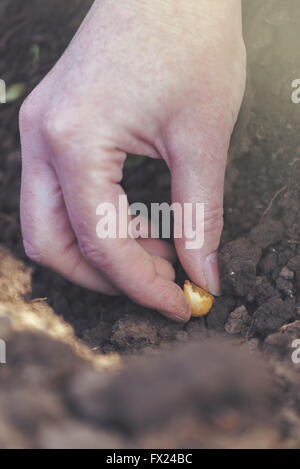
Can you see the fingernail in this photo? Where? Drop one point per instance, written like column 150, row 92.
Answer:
column 212, row 274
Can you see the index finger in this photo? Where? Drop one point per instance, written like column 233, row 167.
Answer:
column 142, row 276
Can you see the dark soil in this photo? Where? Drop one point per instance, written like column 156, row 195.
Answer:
column 85, row 370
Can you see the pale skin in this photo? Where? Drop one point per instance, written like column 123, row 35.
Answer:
column 163, row 79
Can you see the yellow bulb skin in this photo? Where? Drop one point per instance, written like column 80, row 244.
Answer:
column 200, row 301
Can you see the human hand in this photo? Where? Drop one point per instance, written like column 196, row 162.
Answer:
column 163, row 79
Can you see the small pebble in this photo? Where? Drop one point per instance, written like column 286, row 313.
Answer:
column 252, row 345
column 287, row 274
column 238, row 322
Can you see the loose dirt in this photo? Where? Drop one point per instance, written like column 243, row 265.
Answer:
column 85, row 370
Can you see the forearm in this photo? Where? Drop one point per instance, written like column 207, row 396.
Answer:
column 175, row 10
column 179, row 21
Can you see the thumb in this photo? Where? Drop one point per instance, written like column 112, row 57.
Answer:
column 198, row 170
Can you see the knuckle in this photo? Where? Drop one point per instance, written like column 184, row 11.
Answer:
column 92, row 253
column 98, row 255
column 58, row 128
column 214, row 220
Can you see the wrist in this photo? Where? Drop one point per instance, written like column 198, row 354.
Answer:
column 175, row 7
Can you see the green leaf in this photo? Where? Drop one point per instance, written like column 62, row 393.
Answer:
column 35, row 51
column 15, row 92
